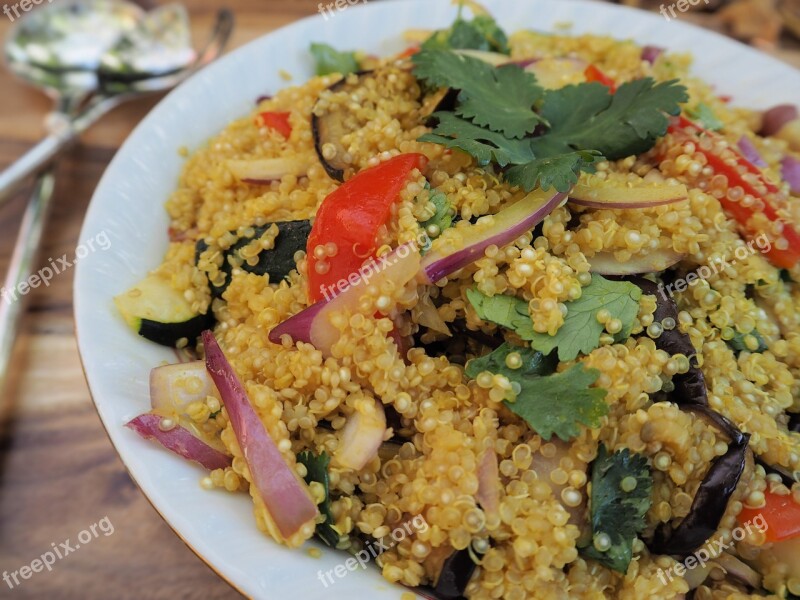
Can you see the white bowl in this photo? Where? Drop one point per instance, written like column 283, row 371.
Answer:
column 128, row 206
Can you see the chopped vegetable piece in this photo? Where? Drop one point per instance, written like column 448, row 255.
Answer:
column 651, row 53
column 317, row 470
column 780, row 513
column 550, row 403
column 290, row 511
column 262, row 171
column 593, row 73
column 621, row 496
column 742, row 174
column 329, row 60
column 703, row 114
column 628, row 196
column 776, row 117
column 456, row 572
column 160, row 313
column 362, row 435
column 741, row 342
column 279, row 121
column 790, row 171
column 650, row 262
column 750, row 152
column 481, row 33
column 581, row 331
column 489, row 484
column 442, row 218
column 179, row 440
column 345, row 232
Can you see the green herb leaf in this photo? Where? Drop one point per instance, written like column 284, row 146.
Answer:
column 508, row 311
column 588, row 117
column 317, row 470
column 485, row 145
column 443, row 217
column 500, row 98
column 329, row 60
column 581, row 331
column 737, row 342
column 705, row 115
column 534, row 363
column 559, row 403
column 482, row 33
column 560, row 171
column 617, row 513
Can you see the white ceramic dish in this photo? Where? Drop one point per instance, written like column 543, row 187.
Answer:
column 128, row 205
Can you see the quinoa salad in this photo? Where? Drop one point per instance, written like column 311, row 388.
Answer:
column 528, row 299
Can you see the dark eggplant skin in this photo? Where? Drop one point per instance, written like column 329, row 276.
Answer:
column 329, row 129
column 277, row 263
column 168, row 334
column 456, row 572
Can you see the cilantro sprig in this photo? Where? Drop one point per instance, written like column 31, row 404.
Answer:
column 551, row 403
column 443, row 217
column 481, row 33
column 503, row 115
column 580, row 333
column 329, row 60
column 621, row 496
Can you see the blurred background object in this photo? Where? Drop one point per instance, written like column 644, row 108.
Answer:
column 58, row 472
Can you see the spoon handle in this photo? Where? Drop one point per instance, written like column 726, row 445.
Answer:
column 19, row 269
column 33, row 161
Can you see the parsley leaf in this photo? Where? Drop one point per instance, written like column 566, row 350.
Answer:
column 534, row 363
column 499, row 98
column 559, row 171
column 485, row 145
column 703, row 113
column 589, row 117
column 550, row 403
column 329, row 60
column 482, row 33
column 509, row 311
column 581, row 331
column 443, row 217
column 737, row 342
column 617, row 513
column 317, row 470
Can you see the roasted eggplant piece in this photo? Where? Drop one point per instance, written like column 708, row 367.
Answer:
column 328, row 129
column 277, row 262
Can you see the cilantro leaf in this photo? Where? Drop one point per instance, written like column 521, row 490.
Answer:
column 482, row 33
column 443, row 217
column 534, row 363
column 705, row 115
column 508, row 311
column 499, row 98
column 317, row 470
column 329, row 60
column 581, row 331
column 589, row 117
column 559, row 171
column 559, row 403
column 617, row 513
column 485, row 145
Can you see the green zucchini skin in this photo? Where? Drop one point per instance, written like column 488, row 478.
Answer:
column 277, row 263
column 168, row 334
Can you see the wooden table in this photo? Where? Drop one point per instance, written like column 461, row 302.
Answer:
column 58, row 472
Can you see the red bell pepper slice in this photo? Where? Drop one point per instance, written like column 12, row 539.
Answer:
column 741, row 172
column 592, row 73
column 279, row 121
column 409, row 52
column 345, row 231
column 781, row 515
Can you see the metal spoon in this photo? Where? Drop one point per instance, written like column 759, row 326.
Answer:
column 82, row 96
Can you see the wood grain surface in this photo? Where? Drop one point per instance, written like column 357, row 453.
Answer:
column 59, row 473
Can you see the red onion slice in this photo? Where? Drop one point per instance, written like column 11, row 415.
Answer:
column 362, row 436
column 179, row 440
column 776, row 117
column 790, row 170
column 750, row 152
column 652, row 262
column 286, row 497
column 608, row 196
column 266, row 170
column 651, row 53
column 462, row 245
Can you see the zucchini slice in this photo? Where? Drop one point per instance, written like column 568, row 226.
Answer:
column 160, row 313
